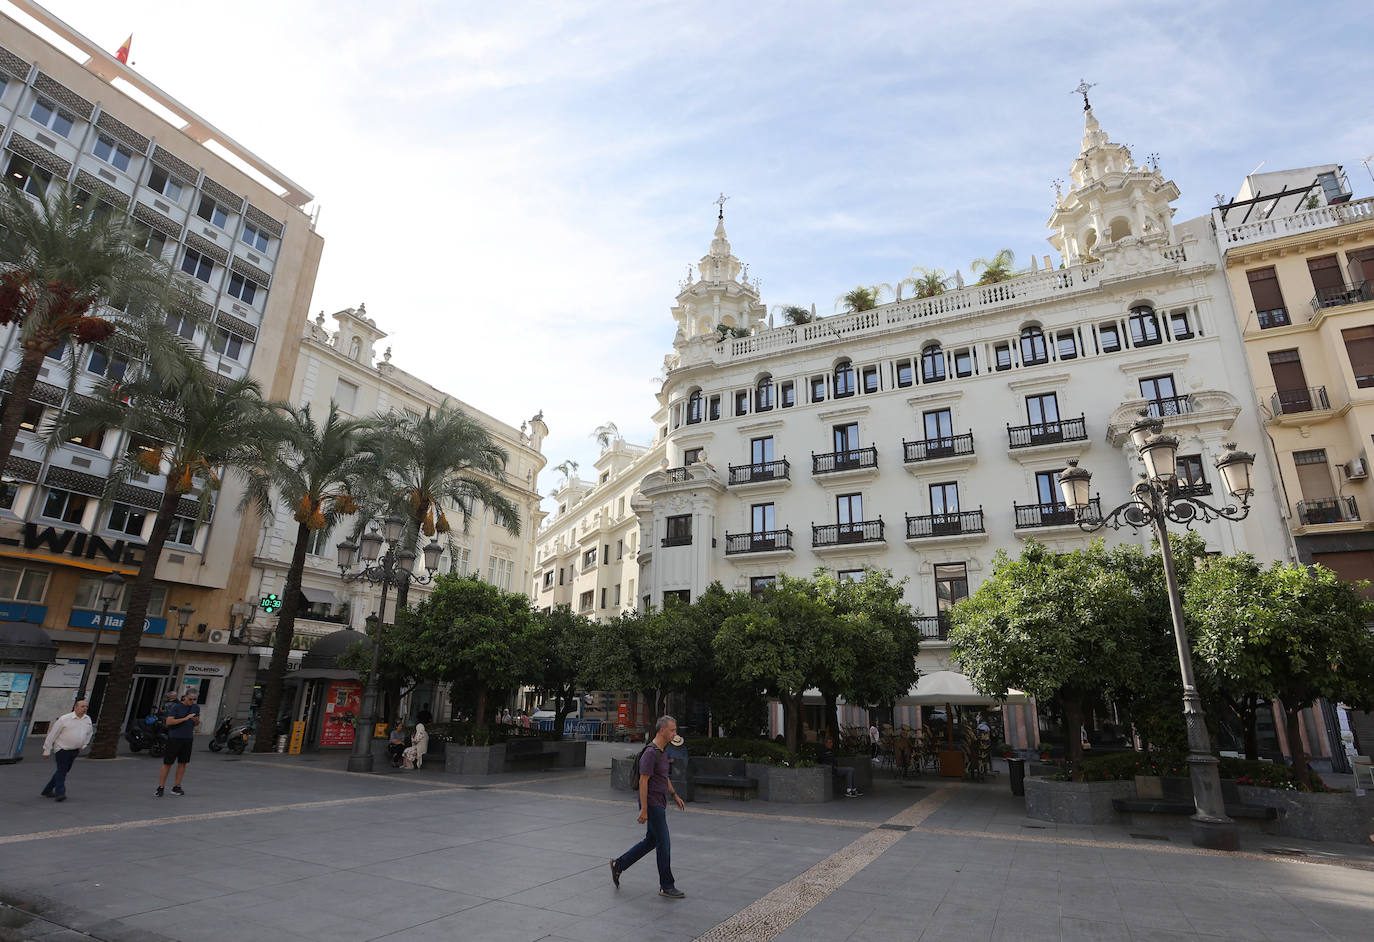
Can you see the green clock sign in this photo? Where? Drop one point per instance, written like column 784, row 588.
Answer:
column 270, row 603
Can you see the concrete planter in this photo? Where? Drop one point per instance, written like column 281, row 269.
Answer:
column 475, row 760
column 622, row 773
column 1317, row 816
column 1074, row 802
column 807, row 786
column 572, row 754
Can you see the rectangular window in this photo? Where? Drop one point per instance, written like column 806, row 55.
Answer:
column 818, row 389
column 1264, row 291
column 499, row 572
column 606, row 554
column 742, row 402
column 605, row 594
column 33, row 414
column 150, row 240
column 761, row 519
column 318, row 544
column 758, row 585
column 616, row 595
column 182, row 325
column 197, row 266
column 850, row 575
column 1042, row 408
column 1047, row 488
column 690, row 456
column 163, row 182
column 678, row 530
column 211, row 211
column 548, row 579
column 589, row 560
column 586, row 600
column 1178, row 325
column 22, row 585
column 255, row 237
column 183, row 531
column 674, row 596
column 23, row 174
column 619, row 549
column 1189, row 470
column 713, row 408
column 1109, row 337
column 870, row 379
column 346, row 395
column 944, row 498
column 462, row 561
column 1066, row 345
column 227, row 344
column 761, row 450
column 92, row 439
column 787, row 394
column 52, row 117
column 963, row 362
column 88, row 597
column 951, row 585
column 1158, row 388
column 1359, row 347
column 126, row 519
column 112, row 152
column 245, row 289
column 905, row 374
column 630, row 591
column 849, row 508
column 1003, row 353
column 939, row 424
column 64, row 506
column 763, row 395
column 107, row 363
column 1326, row 275
column 560, row 575
column 9, row 492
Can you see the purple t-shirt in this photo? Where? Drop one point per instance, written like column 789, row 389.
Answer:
column 654, row 765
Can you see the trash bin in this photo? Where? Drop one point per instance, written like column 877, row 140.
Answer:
column 1016, row 774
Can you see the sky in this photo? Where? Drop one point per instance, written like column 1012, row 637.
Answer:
column 516, row 189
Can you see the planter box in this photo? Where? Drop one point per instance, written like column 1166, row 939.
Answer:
column 622, row 773
column 572, row 754
column 1075, row 802
column 475, row 760
column 1317, row 816
column 809, row 786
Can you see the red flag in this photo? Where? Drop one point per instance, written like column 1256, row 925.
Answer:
column 123, row 54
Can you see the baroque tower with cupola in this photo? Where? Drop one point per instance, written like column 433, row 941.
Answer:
column 719, row 295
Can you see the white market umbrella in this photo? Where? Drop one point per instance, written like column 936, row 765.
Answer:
column 952, row 687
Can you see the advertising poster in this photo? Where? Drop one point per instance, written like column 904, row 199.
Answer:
column 343, row 699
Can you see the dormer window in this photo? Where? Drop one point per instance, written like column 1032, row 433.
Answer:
column 844, row 379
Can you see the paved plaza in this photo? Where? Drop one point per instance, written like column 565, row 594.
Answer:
column 294, row 848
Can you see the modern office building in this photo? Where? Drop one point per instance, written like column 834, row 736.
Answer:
column 240, row 230
column 1299, row 256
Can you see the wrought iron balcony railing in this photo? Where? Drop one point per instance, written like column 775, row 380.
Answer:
column 759, row 471
column 765, row 541
column 1054, row 515
column 1294, row 401
column 837, row 534
column 1048, row 433
column 1328, row 510
column 946, row 446
column 1340, row 295
column 854, row 459
column 677, row 475
column 957, row 523
column 934, row 627
column 1172, row 405
column 679, row 540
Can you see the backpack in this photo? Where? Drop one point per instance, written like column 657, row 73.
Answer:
column 636, row 775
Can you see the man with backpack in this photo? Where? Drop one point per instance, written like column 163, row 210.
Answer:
column 652, row 783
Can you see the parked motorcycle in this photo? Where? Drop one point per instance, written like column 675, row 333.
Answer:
column 147, row 732
column 226, row 734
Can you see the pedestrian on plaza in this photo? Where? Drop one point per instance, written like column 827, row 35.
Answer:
column 182, row 719
column 68, row 735
column 873, row 739
column 396, row 745
column 654, row 789
column 825, row 755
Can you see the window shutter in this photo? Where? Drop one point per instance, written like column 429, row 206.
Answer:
column 1359, row 346
column 1264, row 289
column 1326, row 273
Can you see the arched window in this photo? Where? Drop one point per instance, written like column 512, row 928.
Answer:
column 694, row 413
column 1033, row 346
column 844, row 379
column 932, row 364
column 763, row 394
column 1144, row 326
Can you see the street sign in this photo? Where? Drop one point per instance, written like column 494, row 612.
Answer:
column 297, row 738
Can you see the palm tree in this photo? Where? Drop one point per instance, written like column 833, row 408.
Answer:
column 858, row 299
column 567, row 468
column 311, row 468
column 928, row 282
column 71, row 276
column 442, row 458
column 605, row 435
column 205, row 424
column 995, row 269
column 796, row 316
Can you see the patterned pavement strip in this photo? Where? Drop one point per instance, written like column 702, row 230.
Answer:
column 766, row 917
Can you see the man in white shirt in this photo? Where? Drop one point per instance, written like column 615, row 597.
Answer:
column 67, row 736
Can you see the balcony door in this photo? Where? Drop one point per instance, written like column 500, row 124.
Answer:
column 849, row 514
column 1161, row 395
column 761, row 519
column 761, row 450
column 1290, row 382
column 939, row 427
column 944, row 498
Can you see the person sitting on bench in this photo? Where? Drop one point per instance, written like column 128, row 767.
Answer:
column 825, row 755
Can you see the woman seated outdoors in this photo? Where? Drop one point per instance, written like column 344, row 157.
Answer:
column 825, row 755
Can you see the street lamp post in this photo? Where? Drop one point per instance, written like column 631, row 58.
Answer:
column 184, row 614
column 395, row 567
column 110, row 588
column 1156, row 499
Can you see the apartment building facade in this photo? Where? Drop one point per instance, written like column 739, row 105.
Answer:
column 240, row 231
column 1299, row 257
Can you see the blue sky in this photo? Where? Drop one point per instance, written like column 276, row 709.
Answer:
column 516, row 189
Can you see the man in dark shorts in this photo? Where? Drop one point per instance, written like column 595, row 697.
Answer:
column 182, row 719
column 654, row 789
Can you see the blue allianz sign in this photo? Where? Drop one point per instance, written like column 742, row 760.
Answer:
column 18, row 611
column 80, row 618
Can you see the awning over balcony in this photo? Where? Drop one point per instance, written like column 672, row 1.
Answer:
column 319, row 596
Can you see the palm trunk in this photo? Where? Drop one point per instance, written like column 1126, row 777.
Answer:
column 17, row 400
column 281, row 645
column 117, row 688
column 1292, row 724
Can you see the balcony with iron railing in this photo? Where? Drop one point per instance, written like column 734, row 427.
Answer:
column 1341, row 295
column 1295, row 401
column 677, row 475
column 1048, row 433
column 764, row 541
column 681, row 539
column 1168, row 406
column 955, row 524
column 1039, row 516
column 1327, row 510
column 854, row 459
column 934, row 449
column 760, row 472
column 933, row 627
column 847, row 534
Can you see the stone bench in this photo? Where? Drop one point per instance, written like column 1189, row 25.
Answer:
column 728, row 778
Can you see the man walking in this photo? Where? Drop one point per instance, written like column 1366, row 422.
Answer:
column 654, row 789
column 68, row 735
column 182, row 719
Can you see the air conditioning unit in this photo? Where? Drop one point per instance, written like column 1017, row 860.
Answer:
column 1356, row 469
column 219, row 636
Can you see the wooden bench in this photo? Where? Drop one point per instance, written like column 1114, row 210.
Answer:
column 528, row 752
column 1178, row 799
column 728, row 778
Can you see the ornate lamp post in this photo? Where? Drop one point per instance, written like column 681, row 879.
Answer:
column 1156, row 499
column 184, row 614
column 394, row 568
column 110, row 588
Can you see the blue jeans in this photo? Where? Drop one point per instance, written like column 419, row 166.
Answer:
column 58, row 783
column 655, row 838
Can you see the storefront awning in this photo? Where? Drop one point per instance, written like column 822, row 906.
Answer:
column 952, row 687
column 319, row 596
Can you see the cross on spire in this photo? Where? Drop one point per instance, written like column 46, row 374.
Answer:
column 720, row 203
column 1082, row 89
